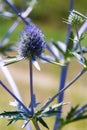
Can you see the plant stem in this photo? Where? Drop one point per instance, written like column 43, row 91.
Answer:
column 11, row 29
column 79, row 42
column 16, row 11
column 61, row 96
column 80, row 109
column 5, row 87
column 63, row 74
column 62, row 90
column 31, row 86
column 80, row 32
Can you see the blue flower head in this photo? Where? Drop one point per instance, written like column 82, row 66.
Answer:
column 31, row 43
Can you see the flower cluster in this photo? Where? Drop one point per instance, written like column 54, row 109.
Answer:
column 31, row 43
column 75, row 17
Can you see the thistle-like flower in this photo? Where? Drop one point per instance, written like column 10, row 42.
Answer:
column 31, row 43
column 75, row 17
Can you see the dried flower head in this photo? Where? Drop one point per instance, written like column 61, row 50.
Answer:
column 31, row 43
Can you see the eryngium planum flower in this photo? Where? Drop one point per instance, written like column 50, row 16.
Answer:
column 31, row 43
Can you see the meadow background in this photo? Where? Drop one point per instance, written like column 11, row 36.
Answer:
column 48, row 15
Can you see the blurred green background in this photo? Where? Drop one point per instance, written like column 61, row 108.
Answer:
column 47, row 14
column 53, row 10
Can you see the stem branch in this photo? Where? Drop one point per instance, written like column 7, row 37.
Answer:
column 63, row 72
column 62, row 90
column 16, row 11
column 5, row 87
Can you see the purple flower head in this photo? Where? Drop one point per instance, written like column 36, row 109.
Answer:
column 31, row 43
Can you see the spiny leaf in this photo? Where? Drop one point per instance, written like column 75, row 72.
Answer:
column 12, row 61
column 51, row 60
column 6, row 14
column 14, row 116
column 11, row 114
column 11, row 121
column 43, row 123
column 58, row 47
column 80, row 59
column 35, row 63
column 51, row 111
column 53, row 107
column 84, row 50
column 25, row 123
column 74, row 114
column 71, row 112
column 19, row 115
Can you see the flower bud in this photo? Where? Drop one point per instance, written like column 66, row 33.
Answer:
column 75, row 17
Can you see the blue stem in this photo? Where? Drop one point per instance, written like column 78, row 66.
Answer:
column 63, row 89
column 11, row 29
column 63, row 75
column 31, row 87
column 16, row 11
column 81, row 109
column 25, row 108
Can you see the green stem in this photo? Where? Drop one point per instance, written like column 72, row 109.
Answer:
column 36, row 124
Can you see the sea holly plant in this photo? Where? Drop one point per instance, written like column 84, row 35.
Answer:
column 31, row 46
